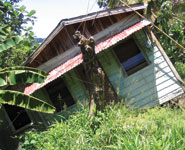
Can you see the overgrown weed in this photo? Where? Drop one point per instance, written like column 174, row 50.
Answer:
column 117, row 128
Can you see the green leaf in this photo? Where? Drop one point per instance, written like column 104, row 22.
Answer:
column 15, row 13
column 32, row 12
column 10, row 43
column 2, row 38
column 1, row 12
column 25, row 101
column 3, row 81
column 2, row 31
column 111, row 146
column 24, row 68
column 3, row 47
column 22, row 8
column 14, row 75
column 18, row 39
column 29, row 28
column 7, row 4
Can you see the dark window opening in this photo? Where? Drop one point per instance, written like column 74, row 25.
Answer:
column 130, row 57
column 18, row 116
column 59, row 94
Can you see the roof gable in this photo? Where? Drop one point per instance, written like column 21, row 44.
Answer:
column 61, row 39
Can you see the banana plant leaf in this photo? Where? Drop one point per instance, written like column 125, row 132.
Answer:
column 24, row 68
column 20, row 74
column 26, row 101
column 9, row 42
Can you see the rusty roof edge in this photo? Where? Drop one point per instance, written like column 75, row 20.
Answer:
column 65, row 22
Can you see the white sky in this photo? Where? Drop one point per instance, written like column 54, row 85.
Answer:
column 50, row 12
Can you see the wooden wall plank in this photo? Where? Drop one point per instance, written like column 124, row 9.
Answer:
column 147, row 86
column 76, row 87
column 167, row 59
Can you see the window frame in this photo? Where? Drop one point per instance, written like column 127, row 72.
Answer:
column 124, row 72
column 68, row 88
column 11, row 126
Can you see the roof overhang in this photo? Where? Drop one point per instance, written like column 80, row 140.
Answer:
column 79, row 19
column 76, row 60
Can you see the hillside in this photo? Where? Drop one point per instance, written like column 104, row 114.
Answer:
column 117, row 128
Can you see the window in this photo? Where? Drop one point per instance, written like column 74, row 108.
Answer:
column 18, row 116
column 59, row 94
column 130, row 57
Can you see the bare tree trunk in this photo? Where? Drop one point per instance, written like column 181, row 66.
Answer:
column 94, row 73
column 91, row 106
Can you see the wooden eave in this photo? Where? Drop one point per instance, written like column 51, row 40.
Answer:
column 80, row 19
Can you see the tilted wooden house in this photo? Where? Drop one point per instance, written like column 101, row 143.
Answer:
column 135, row 64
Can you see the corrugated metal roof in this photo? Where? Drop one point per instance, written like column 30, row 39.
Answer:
column 75, row 61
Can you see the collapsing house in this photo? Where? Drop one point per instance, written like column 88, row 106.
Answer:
column 135, row 64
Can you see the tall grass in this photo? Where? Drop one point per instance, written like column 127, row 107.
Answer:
column 117, row 128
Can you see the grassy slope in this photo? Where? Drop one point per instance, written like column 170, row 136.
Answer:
column 117, row 128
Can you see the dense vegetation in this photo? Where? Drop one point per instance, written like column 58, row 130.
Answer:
column 17, row 40
column 116, row 128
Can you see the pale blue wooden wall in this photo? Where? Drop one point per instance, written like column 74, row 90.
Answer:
column 150, row 86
